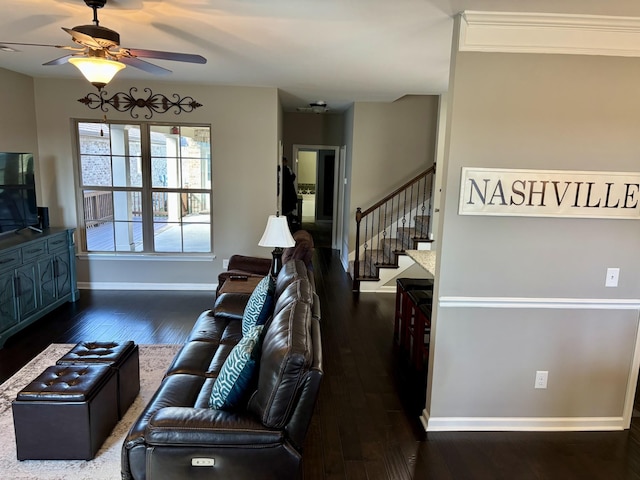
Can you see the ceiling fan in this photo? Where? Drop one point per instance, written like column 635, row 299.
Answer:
column 319, row 106
column 99, row 48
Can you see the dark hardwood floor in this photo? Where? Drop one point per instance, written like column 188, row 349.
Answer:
column 366, row 421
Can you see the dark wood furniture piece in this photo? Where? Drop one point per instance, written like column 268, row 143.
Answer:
column 412, row 318
column 37, row 275
column 232, row 285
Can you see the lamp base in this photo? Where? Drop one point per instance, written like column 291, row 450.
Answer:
column 276, row 264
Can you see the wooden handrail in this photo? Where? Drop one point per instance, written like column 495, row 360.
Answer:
column 400, row 207
column 398, row 190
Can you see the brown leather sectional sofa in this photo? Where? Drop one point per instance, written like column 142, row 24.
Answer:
column 179, row 436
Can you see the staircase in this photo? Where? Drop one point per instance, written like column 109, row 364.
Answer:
column 399, row 222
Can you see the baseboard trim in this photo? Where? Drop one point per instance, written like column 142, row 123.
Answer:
column 555, row 303
column 147, row 286
column 520, row 424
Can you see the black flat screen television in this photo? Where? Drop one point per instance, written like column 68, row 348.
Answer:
column 18, row 207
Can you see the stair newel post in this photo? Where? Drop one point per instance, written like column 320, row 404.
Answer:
column 356, row 261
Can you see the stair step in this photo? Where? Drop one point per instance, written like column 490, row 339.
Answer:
column 372, row 261
column 411, row 236
column 392, row 246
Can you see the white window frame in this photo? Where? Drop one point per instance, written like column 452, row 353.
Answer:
column 146, row 192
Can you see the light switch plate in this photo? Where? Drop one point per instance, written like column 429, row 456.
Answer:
column 612, row 277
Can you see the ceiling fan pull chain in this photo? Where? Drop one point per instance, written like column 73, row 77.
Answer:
column 105, row 122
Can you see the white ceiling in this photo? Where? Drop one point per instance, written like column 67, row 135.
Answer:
column 339, row 51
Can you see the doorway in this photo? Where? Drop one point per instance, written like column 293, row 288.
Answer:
column 317, row 176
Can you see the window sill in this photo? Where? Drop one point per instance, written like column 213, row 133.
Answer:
column 146, row 257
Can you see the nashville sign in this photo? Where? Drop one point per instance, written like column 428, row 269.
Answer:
column 549, row 193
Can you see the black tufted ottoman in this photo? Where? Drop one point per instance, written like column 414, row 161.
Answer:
column 66, row 413
column 122, row 357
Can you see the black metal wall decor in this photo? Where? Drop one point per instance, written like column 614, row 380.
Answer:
column 126, row 102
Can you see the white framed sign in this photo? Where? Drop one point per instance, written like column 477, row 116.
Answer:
column 549, row 193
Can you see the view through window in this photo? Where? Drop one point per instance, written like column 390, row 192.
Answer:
column 145, row 187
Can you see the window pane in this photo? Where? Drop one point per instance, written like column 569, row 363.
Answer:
column 98, row 207
column 95, row 170
column 98, row 218
column 100, row 237
column 184, row 224
column 194, row 140
column 125, row 139
column 165, row 141
column 196, row 237
column 196, row 223
column 127, row 171
column 164, row 172
column 94, row 138
column 198, row 207
column 196, row 157
column 167, row 236
column 128, row 236
column 127, row 205
column 196, row 173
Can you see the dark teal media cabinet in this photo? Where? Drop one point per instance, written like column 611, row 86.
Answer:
column 37, row 275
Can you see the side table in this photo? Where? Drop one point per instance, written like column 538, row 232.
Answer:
column 247, row 285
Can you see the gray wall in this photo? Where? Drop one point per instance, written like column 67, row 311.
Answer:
column 245, row 133
column 311, row 129
column 247, row 124
column 18, row 117
column 518, row 294
column 387, row 145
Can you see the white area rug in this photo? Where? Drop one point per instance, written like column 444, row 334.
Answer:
column 154, row 360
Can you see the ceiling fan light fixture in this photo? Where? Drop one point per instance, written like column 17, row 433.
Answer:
column 99, row 71
column 319, row 106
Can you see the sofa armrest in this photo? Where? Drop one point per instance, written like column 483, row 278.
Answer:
column 256, row 265
column 230, row 305
column 186, row 426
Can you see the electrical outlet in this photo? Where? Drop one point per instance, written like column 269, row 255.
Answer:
column 541, row 379
column 612, row 277
column 225, row 263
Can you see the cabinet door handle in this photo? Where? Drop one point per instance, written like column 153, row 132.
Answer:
column 17, row 285
column 34, row 250
column 56, row 272
column 7, row 260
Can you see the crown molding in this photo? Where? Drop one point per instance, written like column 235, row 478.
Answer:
column 549, row 33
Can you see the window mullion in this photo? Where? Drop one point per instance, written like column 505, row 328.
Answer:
column 147, row 193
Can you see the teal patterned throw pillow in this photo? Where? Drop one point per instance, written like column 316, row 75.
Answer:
column 259, row 306
column 235, row 375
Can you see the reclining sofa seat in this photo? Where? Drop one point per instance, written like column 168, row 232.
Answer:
column 262, row 440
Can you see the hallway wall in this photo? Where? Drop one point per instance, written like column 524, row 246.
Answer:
column 521, row 294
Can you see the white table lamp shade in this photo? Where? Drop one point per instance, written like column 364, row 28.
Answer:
column 277, row 233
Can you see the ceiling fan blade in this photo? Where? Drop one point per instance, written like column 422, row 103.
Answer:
column 37, row 45
column 146, row 66
column 59, row 61
column 82, row 38
column 176, row 57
